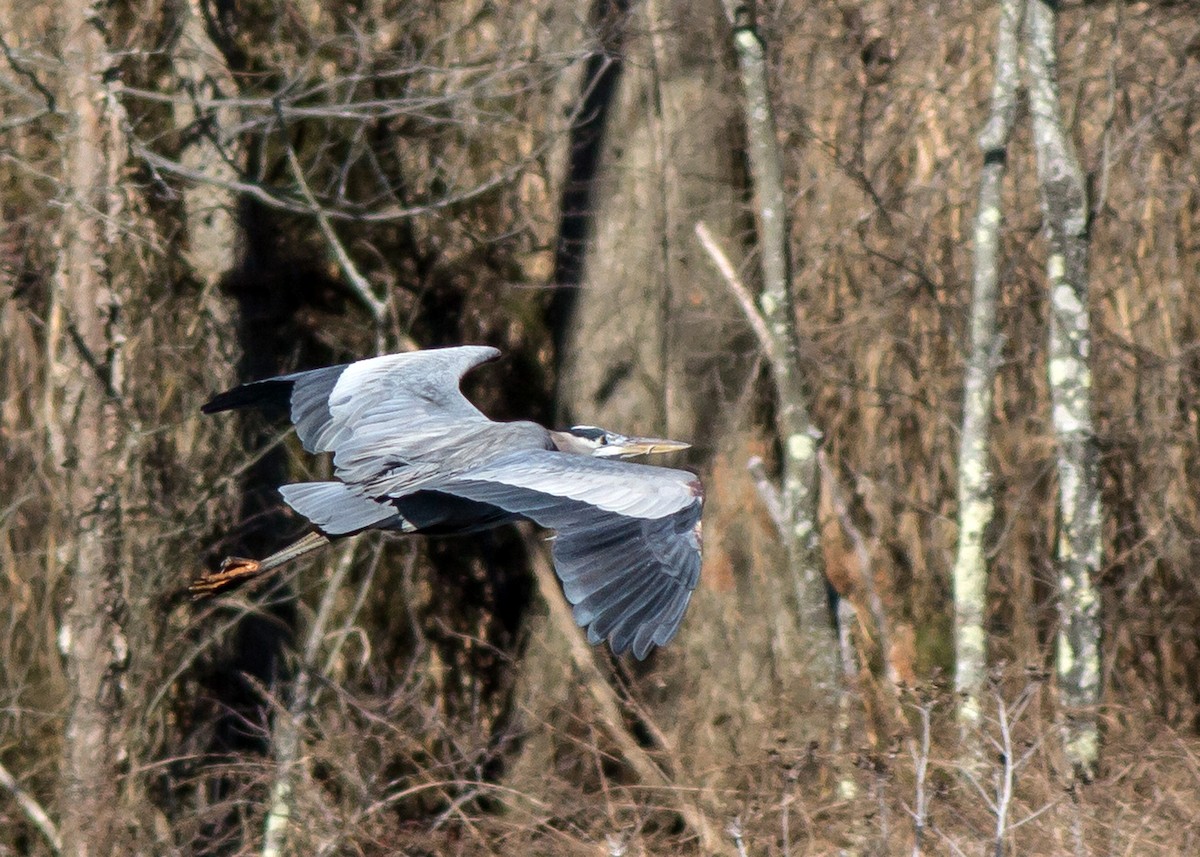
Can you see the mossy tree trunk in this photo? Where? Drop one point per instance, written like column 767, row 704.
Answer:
column 798, row 435
column 1064, row 206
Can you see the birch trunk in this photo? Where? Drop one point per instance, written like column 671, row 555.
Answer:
column 1064, row 205
column 797, row 434
column 84, row 353
column 975, row 501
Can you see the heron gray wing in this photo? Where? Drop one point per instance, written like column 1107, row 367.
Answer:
column 388, row 396
column 627, row 548
column 375, row 413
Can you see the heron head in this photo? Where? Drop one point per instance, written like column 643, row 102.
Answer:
column 601, row 443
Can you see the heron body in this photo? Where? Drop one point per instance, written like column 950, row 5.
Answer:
column 410, row 453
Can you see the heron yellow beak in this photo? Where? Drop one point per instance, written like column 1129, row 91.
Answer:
column 631, row 446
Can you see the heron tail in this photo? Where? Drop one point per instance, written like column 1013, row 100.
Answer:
column 335, row 508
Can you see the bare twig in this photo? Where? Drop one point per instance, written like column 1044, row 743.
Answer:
column 358, row 283
column 366, row 211
column 280, row 202
column 443, row 786
column 999, row 799
column 286, row 736
column 768, row 493
column 1005, row 782
column 863, row 555
column 360, row 599
column 1007, row 716
column 920, row 757
column 15, row 63
column 32, row 809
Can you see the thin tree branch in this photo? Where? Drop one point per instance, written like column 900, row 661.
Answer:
column 863, row 555
column 284, row 203
column 286, row 737
column 769, row 494
column 358, row 283
column 32, row 809
column 749, row 308
column 19, row 67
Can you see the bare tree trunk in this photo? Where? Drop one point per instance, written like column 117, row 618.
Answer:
column 975, row 501
column 797, row 434
column 84, row 351
column 1064, row 205
column 642, row 345
column 209, row 209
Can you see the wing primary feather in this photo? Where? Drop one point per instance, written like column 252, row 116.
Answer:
column 640, row 624
column 643, row 640
column 614, row 624
column 668, row 623
column 641, row 614
column 272, row 393
column 592, row 604
column 653, row 607
column 609, row 607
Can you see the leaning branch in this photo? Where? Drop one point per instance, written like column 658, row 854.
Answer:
column 358, row 283
column 742, row 294
column 608, row 707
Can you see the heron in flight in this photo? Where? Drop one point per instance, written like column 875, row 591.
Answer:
column 411, row 454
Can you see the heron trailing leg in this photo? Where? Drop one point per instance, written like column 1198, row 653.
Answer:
column 236, row 570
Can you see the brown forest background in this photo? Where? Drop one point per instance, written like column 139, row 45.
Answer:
column 530, row 176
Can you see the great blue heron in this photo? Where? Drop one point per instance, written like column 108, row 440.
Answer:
column 412, row 454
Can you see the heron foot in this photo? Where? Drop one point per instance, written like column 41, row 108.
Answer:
column 234, row 571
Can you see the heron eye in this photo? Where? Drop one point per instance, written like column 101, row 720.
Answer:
column 603, row 440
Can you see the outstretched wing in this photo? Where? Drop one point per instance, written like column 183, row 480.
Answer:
column 628, row 537
column 380, row 412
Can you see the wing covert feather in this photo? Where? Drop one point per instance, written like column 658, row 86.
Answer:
column 390, row 406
